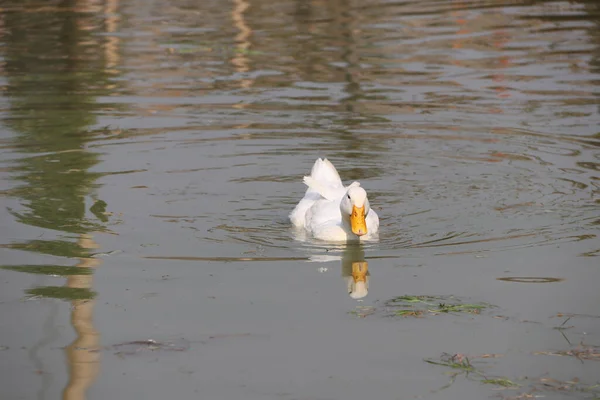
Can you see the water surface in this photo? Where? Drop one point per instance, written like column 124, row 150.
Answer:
column 151, row 152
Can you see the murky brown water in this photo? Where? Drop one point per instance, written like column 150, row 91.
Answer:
column 151, row 151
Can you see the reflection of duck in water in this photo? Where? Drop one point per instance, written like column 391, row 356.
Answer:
column 355, row 270
column 334, row 212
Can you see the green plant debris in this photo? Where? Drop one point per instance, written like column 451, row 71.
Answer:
column 362, row 311
column 500, row 382
column 62, row 292
column 56, row 270
column 530, row 387
column 463, row 366
column 409, row 313
column 415, row 306
column 456, row 361
column 443, row 307
column 414, row 299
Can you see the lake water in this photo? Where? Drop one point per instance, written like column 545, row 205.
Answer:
column 151, row 152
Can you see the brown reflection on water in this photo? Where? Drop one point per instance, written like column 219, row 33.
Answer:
column 240, row 59
column 111, row 47
column 83, row 355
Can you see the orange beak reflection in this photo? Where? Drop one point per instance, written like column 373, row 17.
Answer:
column 360, row 269
column 358, row 223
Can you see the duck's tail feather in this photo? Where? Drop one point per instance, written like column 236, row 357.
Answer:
column 324, row 172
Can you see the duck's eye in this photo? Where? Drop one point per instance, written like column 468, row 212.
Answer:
column 348, row 196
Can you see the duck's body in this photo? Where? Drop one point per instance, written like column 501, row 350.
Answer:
column 333, row 212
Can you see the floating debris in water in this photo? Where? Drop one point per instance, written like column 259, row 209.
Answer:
column 362, row 311
column 108, row 253
column 530, row 279
column 462, row 365
column 421, row 306
column 571, row 315
column 455, row 361
column 581, row 352
column 500, row 382
column 139, row 346
column 416, row 306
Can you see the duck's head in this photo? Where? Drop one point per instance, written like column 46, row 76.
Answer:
column 355, row 206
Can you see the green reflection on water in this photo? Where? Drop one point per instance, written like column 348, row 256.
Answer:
column 62, row 293
column 61, row 248
column 55, row 65
column 48, row 269
column 99, row 210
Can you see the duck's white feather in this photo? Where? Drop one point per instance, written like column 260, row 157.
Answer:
column 323, row 171
column 319, row 210
column 323, row 177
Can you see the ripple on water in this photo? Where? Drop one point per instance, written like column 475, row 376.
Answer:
column 136, row 134
column 473, row 125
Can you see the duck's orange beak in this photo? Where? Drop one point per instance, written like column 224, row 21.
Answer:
column 358, row 223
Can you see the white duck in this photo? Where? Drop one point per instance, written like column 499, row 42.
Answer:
column 329, row 211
